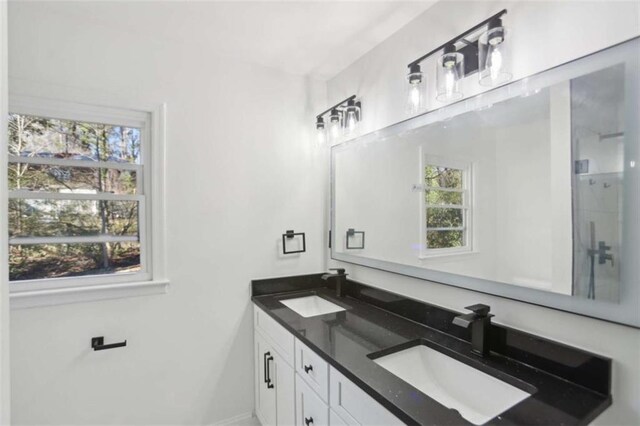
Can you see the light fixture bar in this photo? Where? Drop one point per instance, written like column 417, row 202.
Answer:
column 350, row 98
column 459, row 38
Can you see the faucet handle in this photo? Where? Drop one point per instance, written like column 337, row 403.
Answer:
column 479, row 309
column 340, row 271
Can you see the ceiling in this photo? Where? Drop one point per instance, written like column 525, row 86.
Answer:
column 300, row 37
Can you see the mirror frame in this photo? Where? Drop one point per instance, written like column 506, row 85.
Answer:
column 627, row 311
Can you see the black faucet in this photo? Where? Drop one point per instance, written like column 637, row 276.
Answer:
column 480, row 322
column 341, row 280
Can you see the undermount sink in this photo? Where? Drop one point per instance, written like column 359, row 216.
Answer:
column 477, row 396
column 311, row 306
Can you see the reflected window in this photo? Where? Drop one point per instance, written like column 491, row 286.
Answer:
column 446, row 207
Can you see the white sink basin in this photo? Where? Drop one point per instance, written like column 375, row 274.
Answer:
column 477, row 396
column 310, row 306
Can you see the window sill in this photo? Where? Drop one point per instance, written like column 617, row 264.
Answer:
column 63, row 296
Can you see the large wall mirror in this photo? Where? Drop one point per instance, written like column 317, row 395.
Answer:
column 530, row 191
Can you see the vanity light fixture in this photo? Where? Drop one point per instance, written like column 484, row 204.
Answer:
column 343, row 119
column 481, row 49
column 416, row 89
column 450, row 71
column 493, row 56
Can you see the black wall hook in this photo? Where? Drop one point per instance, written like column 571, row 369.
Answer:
column 97, row 343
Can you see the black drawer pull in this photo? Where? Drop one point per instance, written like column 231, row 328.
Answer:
column 264, row 366
column 308, row 368
column 269, row 384
column 308, row 421
column 97, row 343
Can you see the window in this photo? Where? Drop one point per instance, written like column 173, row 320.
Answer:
column 446, row 206
column 79, row 196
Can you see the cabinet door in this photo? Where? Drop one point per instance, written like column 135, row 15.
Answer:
column 285, row 391
column 265, row 393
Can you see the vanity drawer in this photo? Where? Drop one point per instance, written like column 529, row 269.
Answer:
column 352, row 403
column 282, row 340
column 310, row 409
column 313, row 370
column 336, row 420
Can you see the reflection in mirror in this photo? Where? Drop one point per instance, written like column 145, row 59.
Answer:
column 526, row 188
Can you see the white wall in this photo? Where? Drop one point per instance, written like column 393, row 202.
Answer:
column 544, row 34
column 4, row 290
column 241, row 170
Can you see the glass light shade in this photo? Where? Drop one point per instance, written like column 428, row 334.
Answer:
column 335, row 126
column 350, row 120
column 450, row 69
column 416, row 92
column 321, row 136
column 493, row 57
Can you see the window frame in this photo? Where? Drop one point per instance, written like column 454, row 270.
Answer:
column 151, row 278
column 466, row 206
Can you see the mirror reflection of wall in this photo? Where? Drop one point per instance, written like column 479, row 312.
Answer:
column 597, row 127
column 476, row 195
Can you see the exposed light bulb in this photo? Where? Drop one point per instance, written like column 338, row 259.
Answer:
column 493, row 55
column 351, row 121
column 321, row 136
column 414, row 96
column 496, row 63
column 449, row 81
column 449, row 71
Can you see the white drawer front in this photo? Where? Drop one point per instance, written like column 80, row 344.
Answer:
column 310, row 409
column 282, row 340
column 313, row 369
column 336, row 420
column 351, row 402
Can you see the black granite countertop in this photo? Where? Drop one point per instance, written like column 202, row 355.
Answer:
column 568, row 386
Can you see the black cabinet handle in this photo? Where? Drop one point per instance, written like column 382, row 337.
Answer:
column 97, row 343
column 308, row 368
column 269, row 384
column 308, row 421
column 264, row 366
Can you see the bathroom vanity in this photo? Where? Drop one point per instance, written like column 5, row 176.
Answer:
column 378, row 358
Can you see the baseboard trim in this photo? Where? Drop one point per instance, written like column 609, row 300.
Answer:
column 234, row 419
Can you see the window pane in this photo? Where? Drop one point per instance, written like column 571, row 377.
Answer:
column 49, row 218
column 68, row 260
column 444, row 218
column 443, row 177
column 445, row 239
column 443, row 197
column 84, row 180
column 52, row 138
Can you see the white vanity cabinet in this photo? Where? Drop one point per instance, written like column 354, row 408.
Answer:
column 295, row 386
column 273, row 373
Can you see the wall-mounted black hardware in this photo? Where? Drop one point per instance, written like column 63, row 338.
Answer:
column 290, row 235
column 351, row 233
column 97, row 344
column 581, row 166
column 329, row 238
column 267, row 370
column 480, row 322
column 308, row 420
column 343, row 116
column 341, row 280
column 308, row 368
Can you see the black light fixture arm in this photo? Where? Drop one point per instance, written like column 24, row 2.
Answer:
column 458, row 38
column 350, row 98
